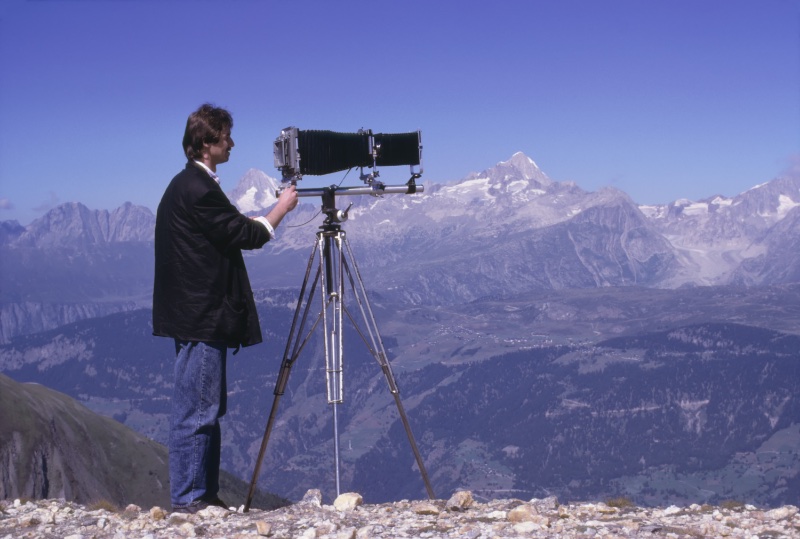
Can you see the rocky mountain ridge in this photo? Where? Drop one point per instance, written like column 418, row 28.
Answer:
column 53, row 447
column 74, row 225
column 507, row 230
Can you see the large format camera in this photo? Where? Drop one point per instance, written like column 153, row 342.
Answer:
column 316, row 153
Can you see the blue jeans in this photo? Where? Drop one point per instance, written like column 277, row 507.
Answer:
column 198, row 401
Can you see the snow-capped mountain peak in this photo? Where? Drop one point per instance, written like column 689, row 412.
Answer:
column 254, row 192
column 519, row 168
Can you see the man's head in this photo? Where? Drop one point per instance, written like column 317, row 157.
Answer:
column 208, row 135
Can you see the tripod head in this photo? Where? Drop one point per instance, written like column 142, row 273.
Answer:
column 333, row 215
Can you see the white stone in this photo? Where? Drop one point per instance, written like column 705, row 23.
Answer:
column 348, row 501
column 522, row 513
column 781, row 513
column 460, row 501
column 347, row 533
column 426, row 508
column 263, row 528
column 525, row 527
column 672, row 510
column 313, row 497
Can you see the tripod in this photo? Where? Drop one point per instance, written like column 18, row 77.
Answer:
column 337, row 266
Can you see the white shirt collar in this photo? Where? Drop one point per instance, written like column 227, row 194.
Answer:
column 210, row 172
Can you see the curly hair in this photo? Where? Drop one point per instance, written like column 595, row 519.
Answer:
column 205, row 125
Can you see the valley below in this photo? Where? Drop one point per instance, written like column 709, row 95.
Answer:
column 661, row 396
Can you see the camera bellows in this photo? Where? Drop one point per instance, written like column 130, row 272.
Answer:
column 324, row 152
column 397, row 149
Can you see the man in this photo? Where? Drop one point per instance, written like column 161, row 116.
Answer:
column 203, row 300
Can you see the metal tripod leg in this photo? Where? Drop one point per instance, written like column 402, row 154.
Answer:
column 331, row 273
column 375, row 346
column 294, row 346
column 331, row 262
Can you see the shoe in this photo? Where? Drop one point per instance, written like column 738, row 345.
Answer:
column 217, row 502
column 199, row 505
column 190, row 509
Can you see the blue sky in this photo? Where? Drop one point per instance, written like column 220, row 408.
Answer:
column 663, row 99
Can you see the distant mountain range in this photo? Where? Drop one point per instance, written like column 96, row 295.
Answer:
column 505, row 231
column 546, row 339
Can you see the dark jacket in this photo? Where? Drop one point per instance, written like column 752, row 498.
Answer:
column 201, row 290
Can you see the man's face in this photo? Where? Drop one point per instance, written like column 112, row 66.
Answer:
column 219, row 152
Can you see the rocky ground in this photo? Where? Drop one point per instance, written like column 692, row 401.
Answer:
column 349, row 518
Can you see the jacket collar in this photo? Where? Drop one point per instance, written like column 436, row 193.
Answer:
column 207, row 170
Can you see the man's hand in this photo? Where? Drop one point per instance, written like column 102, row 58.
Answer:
column 286, row 203
column 289, row 198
